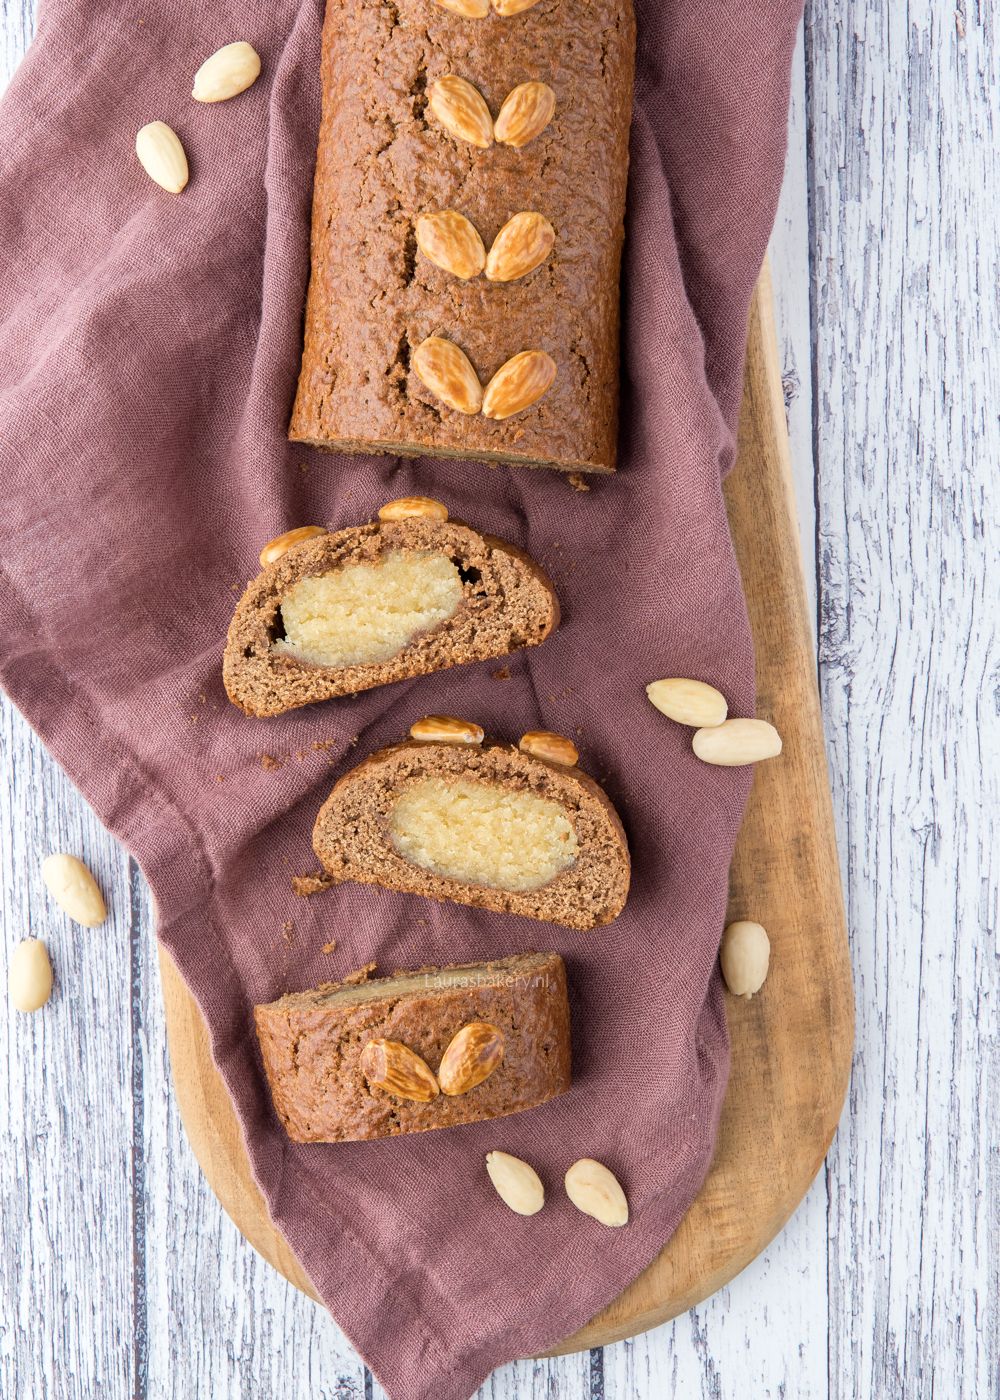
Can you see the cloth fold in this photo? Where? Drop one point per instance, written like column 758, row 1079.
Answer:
column 148, row 352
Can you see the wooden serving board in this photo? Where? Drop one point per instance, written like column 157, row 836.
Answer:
column 791, row 1045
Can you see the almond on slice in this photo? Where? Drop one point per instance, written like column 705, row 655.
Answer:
column 451, row 242
column 512, row 7
column 281, row 544
column 523, row 244
column 518, row 1185
column 446, row 729
column 468, row 9
column 394, row 1067
column 462, row 110
column 472, row 1056
column 229, row 71
column 414, row 507
column 525, row 114
column 162, row 156
column 518, row 384
column 553, row 748
column 447, row 371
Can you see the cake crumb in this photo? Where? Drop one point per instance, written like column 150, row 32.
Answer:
column 269, row 763
column 503, row 674
column 323, row 745
column 314, row 883
column 361, row 975
column 577, row 482
column 329, row 947
column 288, row 931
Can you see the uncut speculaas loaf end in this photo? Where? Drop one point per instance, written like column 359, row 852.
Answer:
column 493, row 826
column 313, row 1046
column 386, row 160
column 496, row 600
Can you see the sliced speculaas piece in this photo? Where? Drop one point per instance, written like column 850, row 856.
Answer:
column 410, row 593
column 366, row 1059
column 515, row 830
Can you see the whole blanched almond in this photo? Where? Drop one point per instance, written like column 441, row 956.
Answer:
column 473, row 1055
column 596, row 1191
column 446, row 729
column 281, row 544
column 394, row 1067
column 745, row 956
column 74, row 889
column 414, row 508
column 523, row 244
column 518, row 384
column 526, row 112
column 468, row 9
column 29, row 977
column 736, row 742
column 462, row 110
column 689, row 702
column 451, row 242
column 513, row 7
column 162, row 156
column 447, row 371
column 553, row 748
column 229, row 71
column 518, row 1185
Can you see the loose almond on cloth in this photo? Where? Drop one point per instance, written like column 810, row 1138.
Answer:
column 229, row 71
column 162, row 156
column 163, row 336
column 516, row 1183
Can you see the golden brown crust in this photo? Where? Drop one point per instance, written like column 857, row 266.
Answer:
column 312, row 1048
column 350, row 837
column 384, row 160
column 508, row 603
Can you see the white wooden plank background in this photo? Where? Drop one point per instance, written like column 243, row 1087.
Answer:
column 119, row 1274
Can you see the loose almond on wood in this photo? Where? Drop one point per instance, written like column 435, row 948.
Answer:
column 74, row 889
column 29, row 977
column 737, row 742
column 745, row 956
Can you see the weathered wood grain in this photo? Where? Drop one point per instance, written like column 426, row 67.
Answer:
column 904, row 184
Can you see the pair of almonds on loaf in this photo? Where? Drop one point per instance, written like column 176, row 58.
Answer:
column 452, row 242
column 591, row 1187
column 540, row 743
column 728, row 743
column 449, row 374
column 461, row 109
column 228, row 72
column 479, row 9
column 471, row 1057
